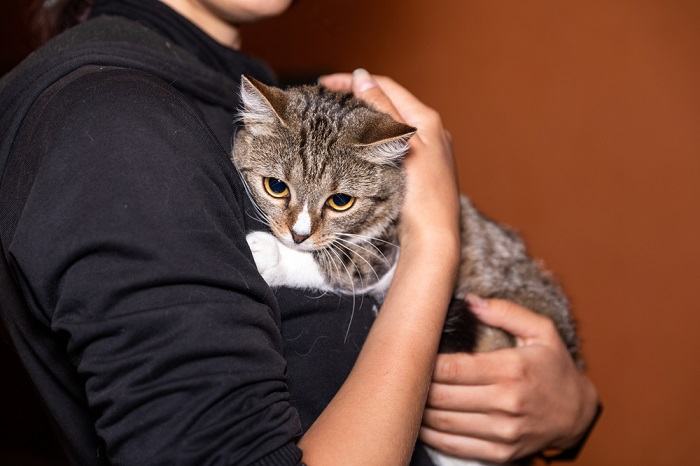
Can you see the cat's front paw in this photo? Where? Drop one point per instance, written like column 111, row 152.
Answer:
column 266, row 252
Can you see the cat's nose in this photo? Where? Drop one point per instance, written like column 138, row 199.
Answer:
column 301, row 229
column 298, row 238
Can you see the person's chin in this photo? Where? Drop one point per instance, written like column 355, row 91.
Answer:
column 248, row 11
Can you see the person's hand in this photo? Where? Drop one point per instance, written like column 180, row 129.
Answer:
column 509, row 403
column 431, row 178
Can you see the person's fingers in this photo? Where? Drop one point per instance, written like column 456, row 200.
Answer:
column 493, row 426
column 468, row 447
column 465, row 398
column 513, row 318
column 412, row 110
column 397, row 92
column 365, row 87
column 338, row 82
column 473, row 369
column 343, row 82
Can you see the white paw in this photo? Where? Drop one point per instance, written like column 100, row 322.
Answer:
column 266, row 252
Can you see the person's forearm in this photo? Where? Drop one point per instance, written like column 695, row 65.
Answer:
column 375, row 416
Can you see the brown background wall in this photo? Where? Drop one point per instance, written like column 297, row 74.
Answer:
column 579, row 124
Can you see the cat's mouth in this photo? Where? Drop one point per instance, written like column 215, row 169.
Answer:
column 307, row 245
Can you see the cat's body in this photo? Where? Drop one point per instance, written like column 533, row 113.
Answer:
column 324, row 171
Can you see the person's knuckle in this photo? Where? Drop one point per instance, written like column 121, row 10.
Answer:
column 448, row 444
column 514, row 403
column 437, row 396
column 511, row 431
column 449, row 369
column 504, row 453
column 517, row 368
column 433, row 118
column 443, row 421
column 549, row 328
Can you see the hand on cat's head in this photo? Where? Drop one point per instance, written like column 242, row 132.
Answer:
column 431, row 207
column 386, row 95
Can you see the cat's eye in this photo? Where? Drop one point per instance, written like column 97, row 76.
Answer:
column 275, row 188
column 340, row 202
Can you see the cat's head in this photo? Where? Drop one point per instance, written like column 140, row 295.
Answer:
column 320, row 165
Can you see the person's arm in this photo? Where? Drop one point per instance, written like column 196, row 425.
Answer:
column 513, row 402
column 374, row 418
column 510, row 403
column 131, row 247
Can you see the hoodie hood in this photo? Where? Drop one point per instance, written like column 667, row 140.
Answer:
column 111, row 41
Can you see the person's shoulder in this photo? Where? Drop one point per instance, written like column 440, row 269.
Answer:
column 95, row 91
column 112, row 107
column 115, row 130
column 128, row 129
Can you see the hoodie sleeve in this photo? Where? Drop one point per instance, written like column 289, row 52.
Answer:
column 131, row 245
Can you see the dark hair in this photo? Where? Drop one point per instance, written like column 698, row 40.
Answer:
column 50, row 17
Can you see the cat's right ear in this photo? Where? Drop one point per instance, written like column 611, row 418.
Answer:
column 263, row 106
column 384, row 140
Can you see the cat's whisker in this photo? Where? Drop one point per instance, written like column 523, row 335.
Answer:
column 359, row 255
column 262, row 216
column 352, row 283
column 330, row 260
column 369, row 238
column 370, row 241
column 341, row 248
column 368, row 251
column 258, row 219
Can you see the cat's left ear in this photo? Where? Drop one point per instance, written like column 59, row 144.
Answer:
column 384, row 140
column 263, row 105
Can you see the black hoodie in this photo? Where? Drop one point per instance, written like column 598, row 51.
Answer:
column 144, row 324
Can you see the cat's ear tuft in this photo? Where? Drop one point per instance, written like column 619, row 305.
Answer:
column 263, row 105
column 384, row 140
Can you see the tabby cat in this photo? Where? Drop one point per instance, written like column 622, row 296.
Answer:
column 324, row 172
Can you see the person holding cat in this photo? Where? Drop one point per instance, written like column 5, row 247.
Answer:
column 145, row 326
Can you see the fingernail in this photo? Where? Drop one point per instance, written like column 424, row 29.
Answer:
column 476, row 302
column 362, row 80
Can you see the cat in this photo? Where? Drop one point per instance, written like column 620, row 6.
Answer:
column 324, row 172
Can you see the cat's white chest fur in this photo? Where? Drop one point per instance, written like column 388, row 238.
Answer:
column 281, row 265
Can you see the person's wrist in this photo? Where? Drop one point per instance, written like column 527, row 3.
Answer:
column 571, row 453
column 587, row 413
column 437, row 243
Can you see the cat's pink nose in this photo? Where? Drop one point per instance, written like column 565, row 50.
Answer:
column 298, row 238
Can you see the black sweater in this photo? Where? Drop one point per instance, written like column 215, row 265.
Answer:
column 146, row 327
